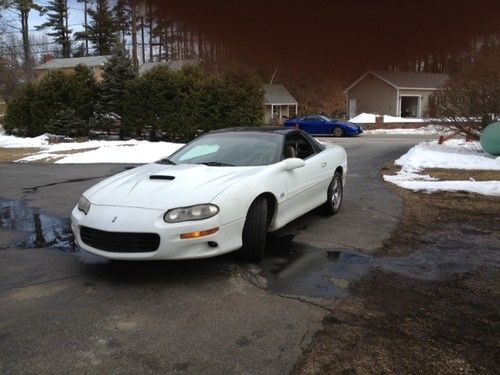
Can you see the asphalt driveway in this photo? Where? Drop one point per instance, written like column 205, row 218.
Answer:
column 65, row 311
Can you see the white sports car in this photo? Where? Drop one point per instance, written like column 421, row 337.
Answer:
column 219, row 193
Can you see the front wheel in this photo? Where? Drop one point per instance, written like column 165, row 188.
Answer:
column 255, row 231
column 338, row 131
column 335, row 195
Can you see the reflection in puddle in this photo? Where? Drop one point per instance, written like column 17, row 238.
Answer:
column 38, row 230
column 297, row 269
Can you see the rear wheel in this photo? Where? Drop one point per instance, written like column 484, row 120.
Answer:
column 255, row 231
column 338, row 131
column 335, row 195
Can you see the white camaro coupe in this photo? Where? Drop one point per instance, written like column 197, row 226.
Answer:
column 219, row 193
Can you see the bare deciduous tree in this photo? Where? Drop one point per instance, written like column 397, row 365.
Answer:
column 471, row 99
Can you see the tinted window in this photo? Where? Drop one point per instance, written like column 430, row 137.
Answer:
column 300, row 145
column 313, row 118
column 231, row 149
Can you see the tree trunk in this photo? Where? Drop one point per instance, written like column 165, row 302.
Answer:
column 67, row 45
column 150, row 27
column 133, row 12
column 143, row 47
column 85, row 25
column 27, row 63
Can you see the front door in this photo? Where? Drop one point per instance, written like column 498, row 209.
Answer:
column 353, row 104
column 313, row 124
column 306, row 187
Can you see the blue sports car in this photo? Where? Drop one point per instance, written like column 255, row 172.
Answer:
column 323, row 125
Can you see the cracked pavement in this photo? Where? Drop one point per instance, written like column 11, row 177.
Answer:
column 66, row 311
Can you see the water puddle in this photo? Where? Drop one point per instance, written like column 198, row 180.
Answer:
column 289, row 267
column 297, row 269
column 33, row 229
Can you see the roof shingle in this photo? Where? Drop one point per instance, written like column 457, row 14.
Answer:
column 278, row 94
column 414, row 80
column 89, row 61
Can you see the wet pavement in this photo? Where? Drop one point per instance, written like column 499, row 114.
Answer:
column 37, row 230
column 292, row 268
column 65, row 311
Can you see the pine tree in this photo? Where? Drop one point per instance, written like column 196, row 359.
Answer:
column 23, row 9
column 85, row 24
column 58, row 21
column 121, row 11
column 101, row 29
column 118, row 71
column 80, row 50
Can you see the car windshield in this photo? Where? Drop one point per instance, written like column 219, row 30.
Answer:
column 230, row 149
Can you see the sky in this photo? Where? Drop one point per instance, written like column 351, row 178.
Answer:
column 75, row 15
column 35, row 19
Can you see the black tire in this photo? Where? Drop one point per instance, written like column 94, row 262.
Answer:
column 332, row 206
column 255, row 231
column 338, row 131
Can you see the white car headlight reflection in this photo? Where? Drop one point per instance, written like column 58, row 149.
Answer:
column 197, row 212
column 84, row 205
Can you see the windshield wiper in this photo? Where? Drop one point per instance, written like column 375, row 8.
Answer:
column 166, row 161
column 217, row 164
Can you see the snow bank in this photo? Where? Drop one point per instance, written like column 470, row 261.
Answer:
column 454, row 154
column 479, row 187
column 11, row 141
column 141, row 152
column 369, row 118
column 132, row 151
column 424, row 130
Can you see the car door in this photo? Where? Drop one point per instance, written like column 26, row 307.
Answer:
column 319, row 125
column 306, row 187
column 307, row 124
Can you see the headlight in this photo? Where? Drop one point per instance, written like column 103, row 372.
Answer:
column 84, row 205
column 198, row 212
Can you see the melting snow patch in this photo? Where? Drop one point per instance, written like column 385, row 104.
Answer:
column 424, row 130
column 131, row 151
column 454, row 154
column 369, row 118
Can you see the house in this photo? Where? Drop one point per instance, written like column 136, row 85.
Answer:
column 398, row 94
column 172, row 64
column 95, row 63
column 279, row 103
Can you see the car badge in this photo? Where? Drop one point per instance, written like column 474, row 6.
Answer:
column 114, row 219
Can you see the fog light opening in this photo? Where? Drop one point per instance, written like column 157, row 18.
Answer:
column 198, row 234
column 212, row 244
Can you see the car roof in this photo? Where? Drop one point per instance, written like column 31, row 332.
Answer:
column 256, row 129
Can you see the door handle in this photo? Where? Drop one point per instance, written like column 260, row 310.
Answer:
column 323, row 165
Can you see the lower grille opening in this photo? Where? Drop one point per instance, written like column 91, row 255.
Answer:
column 120, row 242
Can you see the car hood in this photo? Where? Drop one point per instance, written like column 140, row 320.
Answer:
column 173, row 185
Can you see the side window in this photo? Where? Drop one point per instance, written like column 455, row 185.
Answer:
column 304, row 148
column 289, row 150
column 296, row 146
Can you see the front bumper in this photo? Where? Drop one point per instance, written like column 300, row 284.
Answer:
column 139, row 220
column 357, row 131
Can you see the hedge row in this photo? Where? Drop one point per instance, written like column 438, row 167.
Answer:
column 159, row 104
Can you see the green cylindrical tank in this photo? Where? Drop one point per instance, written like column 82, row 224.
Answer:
column 490, row 139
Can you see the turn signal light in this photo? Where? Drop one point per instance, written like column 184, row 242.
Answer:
column 199, row 234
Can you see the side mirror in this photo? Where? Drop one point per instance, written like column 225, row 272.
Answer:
column 293, row 163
